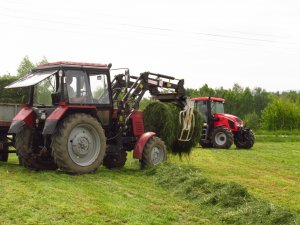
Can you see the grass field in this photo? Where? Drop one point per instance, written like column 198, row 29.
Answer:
column 270, row 172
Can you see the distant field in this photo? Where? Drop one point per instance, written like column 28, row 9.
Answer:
column 270, row 171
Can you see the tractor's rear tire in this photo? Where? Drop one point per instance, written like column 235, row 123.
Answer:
column 246, row 141
column 222, row 138
column 79, row 144
column 3, row 152
column 115, row 160
column 155, row 152
column 205, row 144
column 29, row 157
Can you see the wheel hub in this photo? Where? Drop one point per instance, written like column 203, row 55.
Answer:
column 80, row 145
column 220, row 138
column 83, row 145
column 156, row 155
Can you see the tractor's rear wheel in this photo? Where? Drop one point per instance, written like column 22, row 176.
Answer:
column 29, row 151
column 246, row 140
column 222, row 138
column 205, row 144
column 155, row 152
column 115, row 159
column 3, row 152
column 79, row 144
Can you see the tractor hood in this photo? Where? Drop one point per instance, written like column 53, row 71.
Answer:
column 233, row 118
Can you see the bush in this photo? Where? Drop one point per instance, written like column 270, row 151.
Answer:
column 11, row 95
column 252, row 120
column 281, row 115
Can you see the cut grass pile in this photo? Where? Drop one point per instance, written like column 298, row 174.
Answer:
column 270, row 171
column 230, row 202
column 163, row 119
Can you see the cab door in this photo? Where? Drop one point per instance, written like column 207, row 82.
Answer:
column 100, row 87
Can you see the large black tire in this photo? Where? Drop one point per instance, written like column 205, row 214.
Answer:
column 79, row 144
column 115, row 159
column 28, row 151
column 222, row 138
column 205, row 144
column 246, row 140
column 3, row 152
column 154, row 153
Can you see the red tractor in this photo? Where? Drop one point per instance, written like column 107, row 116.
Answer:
column 220, row 130
column 75, row 118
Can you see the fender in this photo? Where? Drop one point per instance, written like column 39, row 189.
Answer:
column 59, row 112
column 51, row 121
column 140, row 144
column 24, row 117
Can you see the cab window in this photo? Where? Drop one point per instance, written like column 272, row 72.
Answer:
column 99, row 88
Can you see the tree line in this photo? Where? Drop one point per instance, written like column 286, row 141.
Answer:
column 257, row 107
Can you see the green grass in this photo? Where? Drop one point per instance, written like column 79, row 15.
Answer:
column 228, row 201
column 126, row 196
column 270, row 171
column 278, row 136
column 267, row 178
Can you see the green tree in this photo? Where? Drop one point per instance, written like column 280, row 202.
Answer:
column 19, row 95
column 25, row 67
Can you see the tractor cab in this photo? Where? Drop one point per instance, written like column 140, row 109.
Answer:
column 220, row 130
column 74, row 86
column 208, row 107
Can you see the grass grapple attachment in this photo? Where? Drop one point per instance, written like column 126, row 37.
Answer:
column 187, row 121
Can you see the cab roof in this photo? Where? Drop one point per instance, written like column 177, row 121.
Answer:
column 44, row 71
column 207, row 98
column 69, row 64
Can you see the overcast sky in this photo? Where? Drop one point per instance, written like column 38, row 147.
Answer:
column 255, row 43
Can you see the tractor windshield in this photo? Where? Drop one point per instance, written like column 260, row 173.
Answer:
column 217, row 107
column 43, row 91
column 87, row 88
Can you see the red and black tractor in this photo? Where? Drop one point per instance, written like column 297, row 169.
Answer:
column 77, row 118
column 221, row 130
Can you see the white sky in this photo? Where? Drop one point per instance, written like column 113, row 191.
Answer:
column 255, row 43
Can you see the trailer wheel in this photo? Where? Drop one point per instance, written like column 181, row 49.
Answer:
column 155, row 152
column 222, row 138
column 27, row 151
column 3, row 152
column 79, row 144
column 246, row 140
column 115, row 160
column 205, row 144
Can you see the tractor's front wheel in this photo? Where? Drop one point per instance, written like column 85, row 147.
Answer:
column 155, row 152
column 79, row 144
column 222, row 138
column 28, row 147
column 245, row 140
